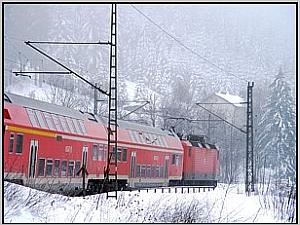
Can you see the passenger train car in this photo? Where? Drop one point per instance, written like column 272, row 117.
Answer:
column 45, row 146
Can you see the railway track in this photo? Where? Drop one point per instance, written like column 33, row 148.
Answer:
column 175, row 189
column 170, row 189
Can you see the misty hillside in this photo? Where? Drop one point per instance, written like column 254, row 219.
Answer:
column 251, row 42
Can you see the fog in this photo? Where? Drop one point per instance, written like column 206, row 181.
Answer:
column 250, row 41
column 174, row 55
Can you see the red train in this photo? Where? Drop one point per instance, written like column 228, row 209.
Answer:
column 46, row 144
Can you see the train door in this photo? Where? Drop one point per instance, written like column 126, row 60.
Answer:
column 166, row 167
column 32, row 158
column 132, row 163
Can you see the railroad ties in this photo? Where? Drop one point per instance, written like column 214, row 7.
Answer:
column 176, row 189
column 168, row 190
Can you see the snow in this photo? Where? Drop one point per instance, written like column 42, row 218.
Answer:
column 231, row 98
column 223, row 205
column 28, row 89
column 131, row 90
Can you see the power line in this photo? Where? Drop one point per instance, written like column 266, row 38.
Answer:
column 9, row 39
column 231, row 124
column 186, row 47
column 65, row 67
column 69, row 43
column 220, row 103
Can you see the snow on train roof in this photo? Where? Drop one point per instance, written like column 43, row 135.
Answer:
column 62, row 110
column 137, row 127
column 44, row 106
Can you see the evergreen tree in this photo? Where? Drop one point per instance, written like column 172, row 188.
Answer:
column 277, row 142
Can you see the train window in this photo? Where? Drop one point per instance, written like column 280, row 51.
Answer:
column 163, row 141
column 19, row 145
column 177, row 160
column 64, row 168
column 161, row 172
column 201, row 145
column 143, row 171
column 138, row 171
column 151, row 139
column 40, row 118
column 95, row 152
column 11, row 142
column 71, row 168
column 57, row 123
column 78, row 130
column 124, row 155
column 113, row 156
column 71, row 125
column 136, row 136
column 119, row 154
column 152, row 171
column 64, row 124
column 41, row 167
column 75, row 126
column 155, row 139
column 158, row 140
column 81, row 126
column 101, row 153
column 77, row 167
column 207, row 146
column 157, row 171
column 148, row 171
column 56, row 167
column 173, row 158
column 32, row 118
column 105, row 153
column 141, row 137
column 49, row 121
column 155, row 157
column 147, row 139
column 49, row 167
column 132, row 135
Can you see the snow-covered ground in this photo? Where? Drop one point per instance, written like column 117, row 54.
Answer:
column 226, row 204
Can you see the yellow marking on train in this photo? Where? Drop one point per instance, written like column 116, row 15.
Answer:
column 30, row 131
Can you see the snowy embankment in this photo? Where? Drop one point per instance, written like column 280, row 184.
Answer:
column 223, row 205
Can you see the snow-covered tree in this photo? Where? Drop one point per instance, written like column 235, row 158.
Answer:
column 276, row 144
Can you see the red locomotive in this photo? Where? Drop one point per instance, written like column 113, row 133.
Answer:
column 45, row 146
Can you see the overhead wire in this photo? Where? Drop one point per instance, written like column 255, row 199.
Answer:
column 186, row 47
column 9, row 40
